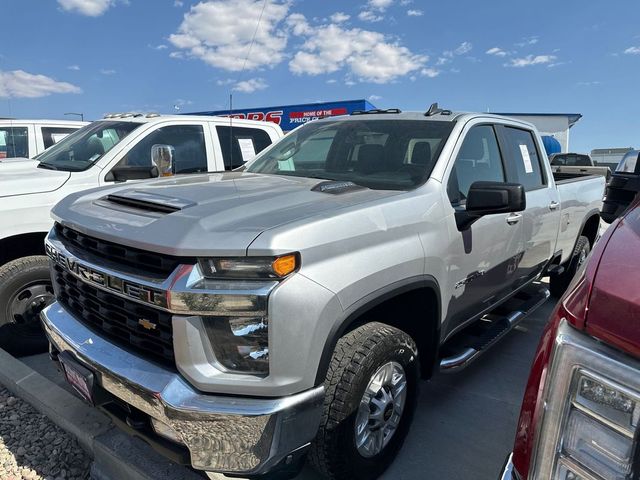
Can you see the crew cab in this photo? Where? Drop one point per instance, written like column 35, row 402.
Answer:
column 247, row 320
column 120, row 148
column 28, row 138
column 581, row 410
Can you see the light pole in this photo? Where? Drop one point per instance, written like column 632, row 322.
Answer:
column 81, row 115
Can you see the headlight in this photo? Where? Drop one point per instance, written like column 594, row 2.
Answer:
column 591, row 412
column 240, row 344
column 250, row 267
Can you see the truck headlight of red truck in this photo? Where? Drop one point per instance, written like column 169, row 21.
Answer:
column 581, row 411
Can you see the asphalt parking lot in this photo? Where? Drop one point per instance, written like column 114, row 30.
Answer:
column 465, row 422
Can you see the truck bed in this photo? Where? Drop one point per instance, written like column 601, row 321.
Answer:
column 563, row 173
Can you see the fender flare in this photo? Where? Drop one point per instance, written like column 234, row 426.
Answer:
column 355, row 311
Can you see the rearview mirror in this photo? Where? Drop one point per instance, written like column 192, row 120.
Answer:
column 489, row 198
column 162, row 156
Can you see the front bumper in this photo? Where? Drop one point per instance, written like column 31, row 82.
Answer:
column 228, row 434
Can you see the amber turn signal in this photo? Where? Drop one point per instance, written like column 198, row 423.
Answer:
column 284, row 265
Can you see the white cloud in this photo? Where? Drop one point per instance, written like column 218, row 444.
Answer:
column 465, row 47
column 90, row 8
column 107, row 71
column 158, row 47
column 527, row 41
column 415, row 13
column 498, row 52
column 178, row 3
column 632, row 51
column 374, row 98
column 181, row 102
column 250, row 86
column 73, row 67
column 589, row 84
column 532, row 60
column 21, row 84
column 339, row 17
column 379, row 4
column 370, row 16
column 430, row 72
column 219, row 32
column 368, row 56
column 331, row 81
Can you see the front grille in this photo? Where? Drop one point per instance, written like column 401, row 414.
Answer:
column 131, row 257
column 117, row 317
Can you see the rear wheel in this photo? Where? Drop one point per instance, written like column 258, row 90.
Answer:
column 25, row 289
column 371, row 391
column 558, row 283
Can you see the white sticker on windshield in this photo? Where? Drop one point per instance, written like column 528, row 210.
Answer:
column 247, row 149
column 526, row 159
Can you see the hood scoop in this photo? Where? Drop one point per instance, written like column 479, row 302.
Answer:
column 336, row 187
column 148, row 202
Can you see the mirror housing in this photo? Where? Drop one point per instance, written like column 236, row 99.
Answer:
column 490, row 198
column 163, row 156
column 623, row 187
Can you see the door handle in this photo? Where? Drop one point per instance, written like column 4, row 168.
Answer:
column 554, row 205
column 514, row 218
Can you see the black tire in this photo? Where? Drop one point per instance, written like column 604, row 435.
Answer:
column 24, row 282
column 357, row 357
column 558, row 283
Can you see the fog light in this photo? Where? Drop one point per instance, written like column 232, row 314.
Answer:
column 165, row 431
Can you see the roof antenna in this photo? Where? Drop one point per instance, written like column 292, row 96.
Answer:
column 434, row 110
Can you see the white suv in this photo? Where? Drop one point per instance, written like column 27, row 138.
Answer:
column 28, row 138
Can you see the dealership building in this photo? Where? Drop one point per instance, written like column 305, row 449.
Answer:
column 551, row 125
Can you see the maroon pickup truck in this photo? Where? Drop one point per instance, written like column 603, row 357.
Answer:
column 581, row 410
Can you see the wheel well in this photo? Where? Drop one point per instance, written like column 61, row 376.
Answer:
column 591, row 228
column 20, row 246
column 417, row 313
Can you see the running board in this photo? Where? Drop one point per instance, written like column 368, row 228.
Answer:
column 469, row 345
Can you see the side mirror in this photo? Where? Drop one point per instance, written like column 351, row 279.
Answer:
column 622, row 189
column 489, row 198
column 162, row 156
column 124, row 173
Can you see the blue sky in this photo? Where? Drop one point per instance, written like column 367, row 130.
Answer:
column 99, row 56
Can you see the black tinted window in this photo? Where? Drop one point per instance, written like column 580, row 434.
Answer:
column 51, row 135
column 524, row 155
column 14, row 142
column 187, row 141
column 571, row 160
column 243, row 146
column 479, row 159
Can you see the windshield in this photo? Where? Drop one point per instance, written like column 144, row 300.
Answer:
column 81, row 149
column 379, row 154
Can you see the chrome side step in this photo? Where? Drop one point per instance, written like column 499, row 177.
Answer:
column 493, row 327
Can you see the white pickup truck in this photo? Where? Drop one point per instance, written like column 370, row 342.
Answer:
column 116, row 149
column 28, row 138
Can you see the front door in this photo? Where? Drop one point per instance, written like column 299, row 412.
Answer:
column 483, row 259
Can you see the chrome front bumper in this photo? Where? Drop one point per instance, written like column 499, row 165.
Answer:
column 227, row 434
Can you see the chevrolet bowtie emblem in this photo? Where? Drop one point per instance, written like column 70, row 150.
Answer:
column 149, row 325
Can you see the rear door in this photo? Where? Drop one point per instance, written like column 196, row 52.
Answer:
column 17, row 140
column 483, row 259
column 527, row 164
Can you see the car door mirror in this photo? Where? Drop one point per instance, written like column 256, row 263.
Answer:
column 163, row 157
column 489, row 198
column 127, row 172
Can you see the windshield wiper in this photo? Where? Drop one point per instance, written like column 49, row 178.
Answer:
column 48, row 166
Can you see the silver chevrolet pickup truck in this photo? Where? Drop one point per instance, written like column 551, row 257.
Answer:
column 243, row 322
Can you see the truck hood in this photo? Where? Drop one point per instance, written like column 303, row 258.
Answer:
column 21, row 176
column 203, row 215
column 614, row 306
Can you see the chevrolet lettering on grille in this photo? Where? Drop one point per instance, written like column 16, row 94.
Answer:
column 109, row 282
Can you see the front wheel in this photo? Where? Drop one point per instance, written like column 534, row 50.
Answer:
column 25, row 289
column 371, row 392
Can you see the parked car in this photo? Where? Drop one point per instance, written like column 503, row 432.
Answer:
column 581, row 408
column 249, row 319
column 576, row 163
column 111, row 151
column 28, row 138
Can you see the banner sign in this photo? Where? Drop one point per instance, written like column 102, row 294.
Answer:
column 292, row 116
